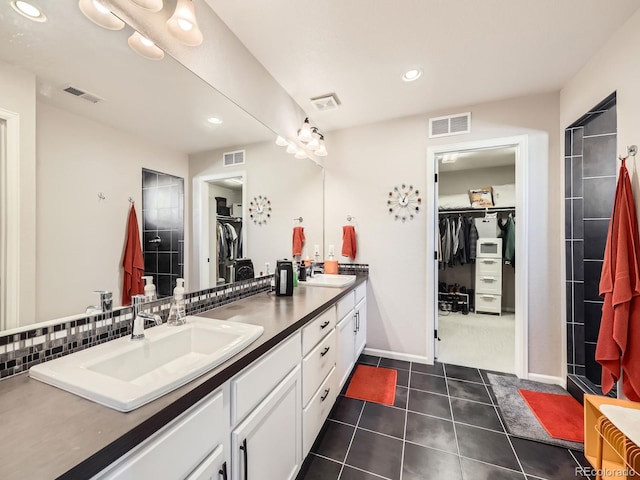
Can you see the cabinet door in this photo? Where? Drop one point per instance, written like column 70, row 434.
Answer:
column 345, row 358
column 268, row 444
column 361, row 327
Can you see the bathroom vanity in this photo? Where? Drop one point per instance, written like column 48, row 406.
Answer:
column 254, row 416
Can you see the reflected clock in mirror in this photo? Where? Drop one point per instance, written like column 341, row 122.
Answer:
column 92, row 115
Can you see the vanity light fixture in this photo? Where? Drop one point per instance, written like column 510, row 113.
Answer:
column 281, row 142
column 95, row 11
column 28, row 11
column 292, row 148
column 145, row 47
column 300, row 154
column 150, row 5
column 314, row 143
column 214, row 120
column 183, row 25
column 304, row 134
column 411, row 75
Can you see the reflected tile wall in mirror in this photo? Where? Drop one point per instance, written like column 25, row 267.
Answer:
column 163, row 229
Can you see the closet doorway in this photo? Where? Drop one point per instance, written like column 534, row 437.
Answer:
column 477, row 301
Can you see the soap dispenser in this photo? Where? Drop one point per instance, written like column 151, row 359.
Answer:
column 178, row 310
column 149, row 288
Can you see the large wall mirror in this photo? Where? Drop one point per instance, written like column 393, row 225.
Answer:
column 81, row 158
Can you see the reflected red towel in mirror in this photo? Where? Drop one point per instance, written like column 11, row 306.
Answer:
column 349, row 248
column 298, row 240
column 133, row 261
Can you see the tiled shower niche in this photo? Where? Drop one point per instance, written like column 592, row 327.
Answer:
column 163, row 229
column 590, row 182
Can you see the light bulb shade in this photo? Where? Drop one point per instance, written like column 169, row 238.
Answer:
column 304, row 135
column 315, row 140
column 145, row 47
column 183, row 25
column 321, row 151
column 300, row 154
column 291, row 148
column 100, row 15
column 150, row 5
column 281, row 142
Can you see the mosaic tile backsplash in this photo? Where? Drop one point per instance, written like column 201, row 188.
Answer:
column 21, row 351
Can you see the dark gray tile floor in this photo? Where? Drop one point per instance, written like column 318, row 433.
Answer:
column 445, row 424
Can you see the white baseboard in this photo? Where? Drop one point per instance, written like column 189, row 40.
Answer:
column 407, row 357
column 537, row 377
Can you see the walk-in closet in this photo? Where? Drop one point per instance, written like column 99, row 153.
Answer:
column 477, row 258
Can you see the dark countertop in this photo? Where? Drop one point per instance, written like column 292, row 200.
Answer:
column 49, row 433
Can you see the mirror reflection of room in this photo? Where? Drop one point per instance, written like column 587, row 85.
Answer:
column 477, row 258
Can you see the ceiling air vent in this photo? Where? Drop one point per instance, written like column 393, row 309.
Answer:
column 450, row 125
column 326, row 102
column 90, row 97
column 233, row 158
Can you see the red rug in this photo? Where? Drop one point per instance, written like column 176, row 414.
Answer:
column 373, row 384
column 562, row 416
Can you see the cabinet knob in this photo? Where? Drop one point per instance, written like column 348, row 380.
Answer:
column 324, row 352
column 325, row 324
column 326, row 394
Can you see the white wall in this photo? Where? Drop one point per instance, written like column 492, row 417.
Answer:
column 80, row 241
column 294, row 187
column 614, row 68
column 367, row 161
column 19, row 96
column 461, row 181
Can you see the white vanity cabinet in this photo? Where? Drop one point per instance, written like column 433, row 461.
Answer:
column 351, row 331
column 196, row 441
column 266, row 411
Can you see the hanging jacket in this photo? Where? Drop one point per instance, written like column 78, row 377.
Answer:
column 508, row 229
column 473, row 240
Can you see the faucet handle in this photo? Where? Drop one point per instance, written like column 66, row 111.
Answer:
column 106, row 300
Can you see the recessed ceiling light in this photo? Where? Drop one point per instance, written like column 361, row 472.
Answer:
column 27, row 10
column 411, row 75
column 214, row 120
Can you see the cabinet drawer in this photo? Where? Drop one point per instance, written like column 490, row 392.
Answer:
column 488, row 303
column 489, row 266
column 489, row 284
column 316, row 365
column 361, row 291
column 211, row 467
column 187, row 441
column 257, row 380
column 345, row 305
column 318, row 410
column 316, row 330
column 489, row 248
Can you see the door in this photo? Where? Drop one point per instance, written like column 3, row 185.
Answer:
column 345, row 358
column 361, row 327
column 268, row 444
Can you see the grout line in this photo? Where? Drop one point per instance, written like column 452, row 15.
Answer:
column 455, row 431
column 406, row 416
column 351, row 441
column 599, row 135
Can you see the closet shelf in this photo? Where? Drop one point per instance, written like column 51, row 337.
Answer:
column 476, row 210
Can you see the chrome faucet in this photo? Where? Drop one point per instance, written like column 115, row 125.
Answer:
column 139, row 320
column 315, row 268
column 106, row 303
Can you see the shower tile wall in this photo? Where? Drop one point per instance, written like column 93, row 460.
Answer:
column 590, row 181
column 163, row 220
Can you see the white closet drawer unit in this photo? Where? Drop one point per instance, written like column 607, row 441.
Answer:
column 314, row 415
column 256, row 381
column 489, row 248
column 486, row 302
column 315, row 331
column 316, row 366
column 345, row 305
column 489, row 283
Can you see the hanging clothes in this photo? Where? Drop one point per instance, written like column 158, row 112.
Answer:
column 473, row 240
column 133, row 261
column 618, row 347
column 508, row 229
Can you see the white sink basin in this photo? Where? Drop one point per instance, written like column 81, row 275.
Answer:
column 125, row 374
column 329, row 280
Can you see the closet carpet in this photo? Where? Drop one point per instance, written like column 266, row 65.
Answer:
column 478, row 340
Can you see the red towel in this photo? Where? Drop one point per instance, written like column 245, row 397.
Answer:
column 618, row 348
column 349, row 242
column 133, row 261
column 298, row 240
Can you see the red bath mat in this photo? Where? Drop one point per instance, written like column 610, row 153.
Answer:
column 561, row 416
column 373, row 384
